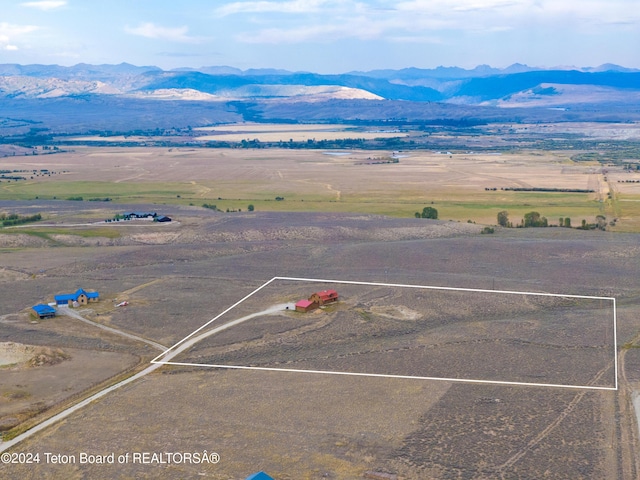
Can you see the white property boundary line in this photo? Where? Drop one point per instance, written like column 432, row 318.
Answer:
column 168, row 353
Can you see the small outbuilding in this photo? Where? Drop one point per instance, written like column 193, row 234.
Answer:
column 306, row 306
column 80, row 297
column 44, row 311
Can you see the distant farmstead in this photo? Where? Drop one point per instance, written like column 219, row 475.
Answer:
column 130, row 215
column 317, row 300
column 146, row 216
column 80, row 297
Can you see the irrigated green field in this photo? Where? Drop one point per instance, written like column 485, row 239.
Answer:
column 460, row 186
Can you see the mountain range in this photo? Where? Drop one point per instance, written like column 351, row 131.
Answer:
column 220, row 93
column 482, row 85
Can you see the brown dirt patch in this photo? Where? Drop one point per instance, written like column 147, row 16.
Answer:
column 40, row 377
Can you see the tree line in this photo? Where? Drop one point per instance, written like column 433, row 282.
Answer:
column 534, row 219
column 15, row 219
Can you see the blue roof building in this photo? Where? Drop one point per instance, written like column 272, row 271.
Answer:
column 80, row 296
column 44, row 311
column 259, row 476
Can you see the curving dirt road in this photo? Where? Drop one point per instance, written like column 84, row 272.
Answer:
column 72, row 313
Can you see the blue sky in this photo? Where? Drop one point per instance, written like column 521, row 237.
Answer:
column 325, row 36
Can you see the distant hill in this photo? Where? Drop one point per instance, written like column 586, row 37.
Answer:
column 499, row 86
column 81, row 70
column 216, row 84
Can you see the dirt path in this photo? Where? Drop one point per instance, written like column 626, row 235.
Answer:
column 140, row 287
column 72, row 313
column 545, row 432
column 333, row 190
column 188, row 342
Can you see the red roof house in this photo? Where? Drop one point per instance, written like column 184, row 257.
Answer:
column 324, row 297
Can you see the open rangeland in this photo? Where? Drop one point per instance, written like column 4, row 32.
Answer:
column 178, row 276
column 403, row 331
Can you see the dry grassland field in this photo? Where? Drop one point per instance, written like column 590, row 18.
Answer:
column 402, row 331
column 519, row 386
column 345, row 181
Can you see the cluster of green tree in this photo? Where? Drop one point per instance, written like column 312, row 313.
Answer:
column 15, row 219
column 310, row 144
column 503, row 219
column 255, row 143
column 75, row 199
column 12, row 177
column 391, row 143
column 117, row 217
column 533, row 219
column 210, row 206
column 105, row 199
column 320, row 144
column 601, row 224
column 379, row 161
column 427, row 212
column 618, row 152
column 564, row 222
column 35, row 136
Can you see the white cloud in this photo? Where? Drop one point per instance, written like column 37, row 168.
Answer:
column 614, row 12
column 45, row 4
column 447, row 6
column 416, row 39
column 289, row 6
column 413, row 21
column 493, row 12
column 9, row 32
column 360, row 27
column 150, row 30
column 294, row 35
column 417, row 21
